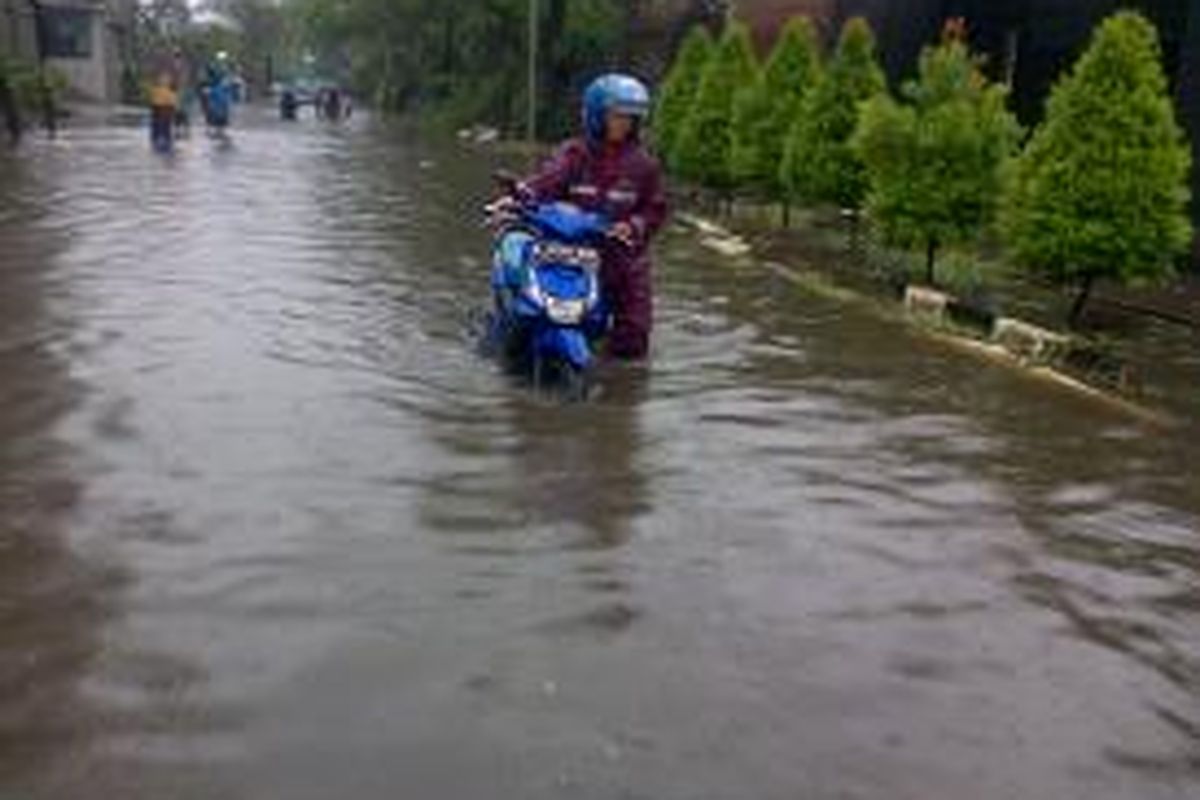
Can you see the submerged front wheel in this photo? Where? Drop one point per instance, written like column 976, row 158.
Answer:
column 568, row 381
column 575, row 384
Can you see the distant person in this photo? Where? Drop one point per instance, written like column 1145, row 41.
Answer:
column 288, row 104
column 218, row 100
column 319, row 104
column 333, row 104
column 164, row 103
column 202, row 98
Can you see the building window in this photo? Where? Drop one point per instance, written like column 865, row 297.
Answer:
column 67, row 32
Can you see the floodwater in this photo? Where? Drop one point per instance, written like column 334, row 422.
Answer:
column 269, row 528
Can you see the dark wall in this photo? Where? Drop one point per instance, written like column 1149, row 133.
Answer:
column 1050, row 35
column 1034, row 39
column 902, row 26
column 1189, row 106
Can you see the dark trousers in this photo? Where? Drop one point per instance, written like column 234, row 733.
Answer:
column 162, row 120
column 629, row 289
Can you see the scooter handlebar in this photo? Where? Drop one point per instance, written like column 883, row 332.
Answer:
column 507, row 181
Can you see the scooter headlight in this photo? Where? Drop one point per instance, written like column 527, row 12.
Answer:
column 565, row 312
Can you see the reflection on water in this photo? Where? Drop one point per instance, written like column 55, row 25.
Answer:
column 569, row 471
column 53, row 603
column 270, row 529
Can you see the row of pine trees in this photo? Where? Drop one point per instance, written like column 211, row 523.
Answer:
column 1099, row 190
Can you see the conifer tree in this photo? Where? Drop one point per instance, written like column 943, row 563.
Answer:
column 1101, row 191
column 704, row 150
column 819, row 165
column 935, row 161
column 765, row 112
column 679, row 89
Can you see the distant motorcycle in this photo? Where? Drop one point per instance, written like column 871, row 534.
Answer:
column 549, row 312
column 217, row 101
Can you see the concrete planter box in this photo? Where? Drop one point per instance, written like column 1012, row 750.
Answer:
column 1030, row 342
column 929, row 304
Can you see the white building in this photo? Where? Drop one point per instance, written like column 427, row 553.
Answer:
column 83, row 39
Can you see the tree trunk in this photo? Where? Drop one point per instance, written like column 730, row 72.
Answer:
column 45, row 97
column 632, row 11
column 8, row 109
column 49, row 111
column 787, row 214
column 855, row 236
column 384, row 90
column 930, row 261
column 1080, row 304
column 556, row 74
column 449, row 42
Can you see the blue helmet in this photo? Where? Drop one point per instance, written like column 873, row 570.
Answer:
column 613, row 92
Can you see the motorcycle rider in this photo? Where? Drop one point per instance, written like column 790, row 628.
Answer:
column 164, row 102
column 218, row 98
column 608, row 171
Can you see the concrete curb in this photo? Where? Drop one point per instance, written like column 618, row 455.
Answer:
column 1007, row 341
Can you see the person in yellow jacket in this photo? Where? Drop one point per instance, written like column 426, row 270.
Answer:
column 163, row 103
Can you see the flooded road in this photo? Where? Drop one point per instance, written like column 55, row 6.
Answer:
column 270, row 529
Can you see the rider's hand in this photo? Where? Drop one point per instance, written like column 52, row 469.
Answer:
column 623, row 233
column 500, row 212
column 503, row 205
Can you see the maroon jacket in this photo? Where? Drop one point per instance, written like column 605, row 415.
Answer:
column 625, row 184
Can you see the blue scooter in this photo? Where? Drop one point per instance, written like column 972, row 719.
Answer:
column 549, row 310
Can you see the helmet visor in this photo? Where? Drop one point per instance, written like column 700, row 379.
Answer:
column 634, row 109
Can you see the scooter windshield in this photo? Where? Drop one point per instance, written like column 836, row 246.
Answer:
column 565, row 282
column 568, row 222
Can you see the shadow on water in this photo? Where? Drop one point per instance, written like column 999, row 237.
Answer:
column 575, row 466
column 82, row 701
column 54, row 602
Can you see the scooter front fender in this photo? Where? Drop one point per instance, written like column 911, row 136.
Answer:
column 568, row 344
